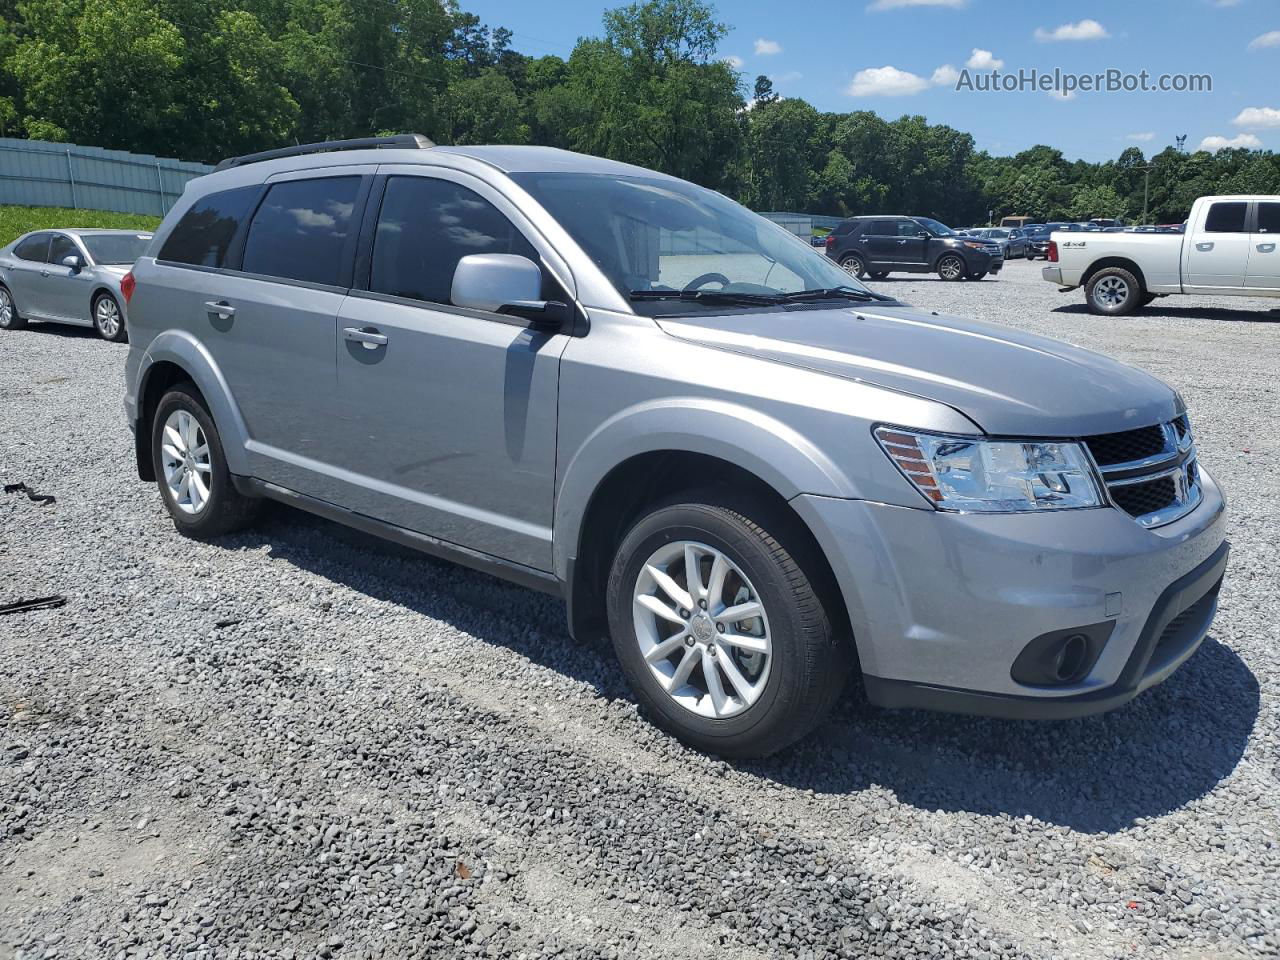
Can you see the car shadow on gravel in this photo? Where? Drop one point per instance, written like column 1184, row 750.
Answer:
column 1169, row 746
column 1220, row 314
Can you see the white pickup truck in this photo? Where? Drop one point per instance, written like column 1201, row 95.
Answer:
column 1229, row 249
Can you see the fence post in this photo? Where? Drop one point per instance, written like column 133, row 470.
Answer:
column 71, row 178
column 160, row 184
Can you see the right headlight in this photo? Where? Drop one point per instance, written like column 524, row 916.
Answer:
column 971, row 474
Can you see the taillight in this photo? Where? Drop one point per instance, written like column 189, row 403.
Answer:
column 830, row 241
column 1053, row 251
column 127, row 285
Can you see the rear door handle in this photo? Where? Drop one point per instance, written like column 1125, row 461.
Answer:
column 1266, row 248
column 1204, row 247
column 371, row 339
column 220, row 308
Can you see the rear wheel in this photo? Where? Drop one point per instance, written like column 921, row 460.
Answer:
column 191, row 468
column 852, row 263
column 1114, row 292
column 108, row 319
column 719, row 627
column 951, row 268
column 9, row 319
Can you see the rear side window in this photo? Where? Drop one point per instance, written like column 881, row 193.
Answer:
column 425, row 227
column 1269, row 218
column 300, row 231
column 882, row 228
column 34, row 248
column 1226, row 217
column 203, row 236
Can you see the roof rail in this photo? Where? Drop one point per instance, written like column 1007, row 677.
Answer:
column 406, row 141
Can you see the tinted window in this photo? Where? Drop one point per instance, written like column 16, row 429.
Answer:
column 883, row 228
column 425, row 227
column 112, row 248
column 1269, row 218
column 1226, row 217
column 300, row 231
column 203, row 235
column 34, row 248
column 61, row 248
column 909, row 228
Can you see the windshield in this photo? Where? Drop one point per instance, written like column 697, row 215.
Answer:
column 115, row 248
column 656, row 239
column 998, row 234
column 934, row 227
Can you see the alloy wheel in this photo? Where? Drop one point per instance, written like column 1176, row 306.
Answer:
column 107, row 316
column 951, row 268
column 185, row 457
column 1110, row 292
column 702, row 629
column 6, row 308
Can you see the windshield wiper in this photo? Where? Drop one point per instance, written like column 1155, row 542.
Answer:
column 709, row 296
column 828, row 293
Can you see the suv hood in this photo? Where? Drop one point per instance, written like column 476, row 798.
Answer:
column 1008, row 382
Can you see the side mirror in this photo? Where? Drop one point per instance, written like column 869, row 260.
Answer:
column 924, row 235
column 73, row 262
column 505, row 283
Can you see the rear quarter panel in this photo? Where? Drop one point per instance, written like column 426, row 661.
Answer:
column 1157, row 256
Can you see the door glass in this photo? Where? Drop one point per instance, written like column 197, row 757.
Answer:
column 1226, row 217
column 909, row 228
column 1269, row 218
column 61, row 248
column 34, row 248
column 425, row 227
column 882, row 228
column 204, row 234
column 300, row 231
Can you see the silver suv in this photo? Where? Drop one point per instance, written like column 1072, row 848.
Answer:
column 751, row 471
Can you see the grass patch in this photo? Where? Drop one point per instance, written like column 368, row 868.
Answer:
column 15, row 221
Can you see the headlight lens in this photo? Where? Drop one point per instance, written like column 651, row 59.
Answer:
column 972, row 475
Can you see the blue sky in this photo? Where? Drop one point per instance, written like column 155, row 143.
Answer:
column 834, row 55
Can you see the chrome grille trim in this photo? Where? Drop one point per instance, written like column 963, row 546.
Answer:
column 1176, row 462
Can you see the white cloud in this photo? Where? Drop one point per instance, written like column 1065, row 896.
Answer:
column 1084, row 30
column 1246, row 140
column 1259, row 118
column 945, row 76
column 734, row 61
column 983, row 60
column 1145, row 137
column 899, row 4
column 767, row 48
column 885, row 82
column 1271, row 39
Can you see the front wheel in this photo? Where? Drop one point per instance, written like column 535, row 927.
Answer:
column 191, row 468
column 720, row 629
column 1114, row 292
column 108, row 319
column 9, row 319
column 854, row 264
column 951, row 268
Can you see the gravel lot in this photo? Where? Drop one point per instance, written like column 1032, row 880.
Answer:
column 301, row 743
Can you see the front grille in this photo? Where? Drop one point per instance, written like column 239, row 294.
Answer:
column 1127, row 446
column 1139, row 499
column 1150, row 472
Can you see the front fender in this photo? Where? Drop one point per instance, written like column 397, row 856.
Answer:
column 185, row 351
column 776, row 453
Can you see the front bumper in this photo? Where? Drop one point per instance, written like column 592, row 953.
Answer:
column 941, row 604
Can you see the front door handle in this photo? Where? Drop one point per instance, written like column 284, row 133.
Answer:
column 44, row 273
column 1204, row 247
column 371, row 339
column 1266, row 248
column 220, row 308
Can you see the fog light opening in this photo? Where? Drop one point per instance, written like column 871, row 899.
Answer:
column 1072, row 656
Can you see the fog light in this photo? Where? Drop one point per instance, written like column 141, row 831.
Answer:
column 1061, row 657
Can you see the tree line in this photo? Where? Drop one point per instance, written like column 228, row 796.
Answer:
column 205, row 79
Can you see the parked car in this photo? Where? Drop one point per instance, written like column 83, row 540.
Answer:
column 1014, row 242
column 748, row 469
column 881, row 245
column 69, row 276
column 1230, row 250
column 1039, row 238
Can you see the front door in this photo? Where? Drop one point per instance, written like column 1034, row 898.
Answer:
column 1264, row 256
column 447, row 420
column 66, row 292
column 1217, row 253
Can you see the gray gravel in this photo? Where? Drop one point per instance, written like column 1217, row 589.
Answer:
column 301, row 743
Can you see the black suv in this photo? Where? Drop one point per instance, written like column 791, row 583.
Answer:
column 878, row 246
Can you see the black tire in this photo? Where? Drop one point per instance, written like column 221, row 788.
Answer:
column 1149, row 298
column 226, row 510
column 1114, row 292
column 9, row 319
column 118, row 334
column 951, row 267
column 811, row 658
column 879, row 274
column 854, row 264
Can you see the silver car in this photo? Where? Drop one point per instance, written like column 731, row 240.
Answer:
column 69, row 276
column 756, row 475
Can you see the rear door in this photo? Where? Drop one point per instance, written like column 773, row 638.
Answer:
column 1216, row 252
column 1264, row 257
column 31, row 262
column 879, row 241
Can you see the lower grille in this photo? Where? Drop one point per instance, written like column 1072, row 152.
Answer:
column 1184, row 628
